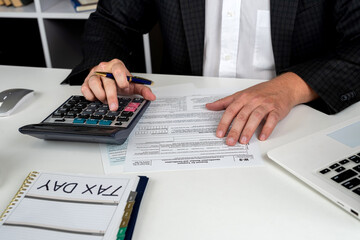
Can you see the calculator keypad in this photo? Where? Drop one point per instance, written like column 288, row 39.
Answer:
column 78, row 110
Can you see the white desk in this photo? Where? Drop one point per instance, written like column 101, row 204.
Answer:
column 235, row 203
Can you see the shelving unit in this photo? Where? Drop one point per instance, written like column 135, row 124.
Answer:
column 46, row 33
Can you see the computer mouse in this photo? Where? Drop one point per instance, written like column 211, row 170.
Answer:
column 12, row 98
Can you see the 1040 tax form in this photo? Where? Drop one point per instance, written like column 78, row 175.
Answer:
column 178, row 133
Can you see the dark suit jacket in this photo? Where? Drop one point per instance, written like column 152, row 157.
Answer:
column 317, row 39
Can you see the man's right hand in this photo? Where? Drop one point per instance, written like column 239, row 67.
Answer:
column 106, row 89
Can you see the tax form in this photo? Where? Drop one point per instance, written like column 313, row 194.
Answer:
column 178, row 133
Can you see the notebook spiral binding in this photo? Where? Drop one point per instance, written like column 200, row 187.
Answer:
column 25, row 185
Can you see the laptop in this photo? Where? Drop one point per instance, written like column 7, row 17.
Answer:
column 328, row 161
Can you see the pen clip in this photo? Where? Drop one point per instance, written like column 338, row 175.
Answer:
column 103, row 74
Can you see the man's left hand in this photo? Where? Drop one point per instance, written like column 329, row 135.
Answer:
column 270, row 101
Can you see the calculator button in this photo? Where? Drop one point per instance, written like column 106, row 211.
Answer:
column 81, row 105
column 93, row 106
column 77, row 110
column 100, row 112
column 130, row 109
column 138, row 100
column 77, row 98
column 134, row 104
column 79, row 120
column 111, row 113
column 127, row 114
column 124, row 102
column 105, row 122
column 122, row 119
column 91, row 121
column 63, row 110
column 70, row 115
column 57, row 115
column 71, row 101
column 68, row 105
column 84, row 115
column 106, row 117
column 120, row 108
column 104, row 107
column 88, row 111
column 85, row 102
column 60, row 120
column 96, row 116
column 118, row 123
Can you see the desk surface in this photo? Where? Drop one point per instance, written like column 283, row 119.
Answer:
column 234, row 203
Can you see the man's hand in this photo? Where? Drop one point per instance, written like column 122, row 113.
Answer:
column 270, row 101
column 106, row 89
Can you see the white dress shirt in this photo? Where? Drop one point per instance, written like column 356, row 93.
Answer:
column 238, row 39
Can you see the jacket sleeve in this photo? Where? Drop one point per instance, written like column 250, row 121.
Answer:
column 114, row 30
column 335, row 76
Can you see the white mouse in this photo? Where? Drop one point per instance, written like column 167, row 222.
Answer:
column 12, row 98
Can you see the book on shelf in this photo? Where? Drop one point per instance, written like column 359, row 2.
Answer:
column 84, row 5
column 20, row 3
column 85, row 2
column 7, row 3
column 73, row 207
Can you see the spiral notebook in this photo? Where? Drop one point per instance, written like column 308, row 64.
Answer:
column 73, row 207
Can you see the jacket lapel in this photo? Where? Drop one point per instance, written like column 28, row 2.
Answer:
column 283, row 15
column 193, row 14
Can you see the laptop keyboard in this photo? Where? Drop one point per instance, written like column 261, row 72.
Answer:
column 345, row 172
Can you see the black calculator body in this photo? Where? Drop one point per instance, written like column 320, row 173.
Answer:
column 78, row 119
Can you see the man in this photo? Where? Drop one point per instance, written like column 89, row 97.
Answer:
column 315, row 46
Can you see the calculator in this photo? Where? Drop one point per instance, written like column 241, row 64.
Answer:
column 78, row 119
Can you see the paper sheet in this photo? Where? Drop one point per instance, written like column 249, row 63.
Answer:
column 113, row 156
column 177, row 133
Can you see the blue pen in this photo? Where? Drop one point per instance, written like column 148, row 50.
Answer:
column 132, row 79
